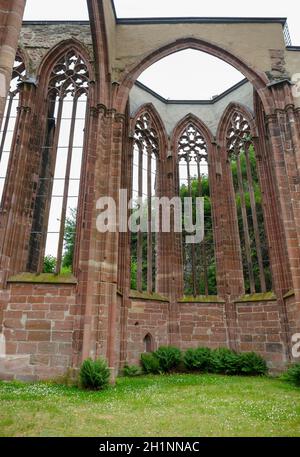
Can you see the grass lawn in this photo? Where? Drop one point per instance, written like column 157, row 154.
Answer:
column 177, row 405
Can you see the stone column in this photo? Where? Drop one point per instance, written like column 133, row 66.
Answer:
column 283, row 138
column 230, row 278
column 16, row 213
column 11, row 15
column 97, row 257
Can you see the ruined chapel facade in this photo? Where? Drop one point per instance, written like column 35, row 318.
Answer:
column 76, row 125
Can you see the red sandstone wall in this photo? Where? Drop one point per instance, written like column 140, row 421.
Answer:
column 146, row 317
column 202, row 324
column 259, row 331
column 41, row 327
column 292, row 311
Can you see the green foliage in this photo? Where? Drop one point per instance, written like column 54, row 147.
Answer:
column 198, row 359
column 259, row 209
column 225, row 361
column 150, row 363
column 292, row 375
column 169, row 358
column 69, row 239
column 49, row 264
column 131, row 371
column 94, row 375
column 69, row 244
column 252, row 364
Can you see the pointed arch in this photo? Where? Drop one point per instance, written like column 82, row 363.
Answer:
column 237, row 135
column 148, row 343
column 257, row 78
column 232, row 108
column 150, row 109
column 193, row 150
column 198, row 123
column 56, row 53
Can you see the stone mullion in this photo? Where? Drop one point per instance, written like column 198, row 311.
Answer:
column 245, row 226
column 233, row 278
column 139, row 247
column 31, row 137
column 230, row 278
column 149, row 223
column 215, row 177
column 255, row 221
column 11, row 21
column 84, row 182
column 203, row 252
column 16, row 200
column 176, row 257
column 66, row 188
column 124, row 272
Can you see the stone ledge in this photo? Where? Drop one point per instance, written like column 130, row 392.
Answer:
column 289, row 294
column 202, row 299
column 43, row 278
column 267, row 296
column 134, row 294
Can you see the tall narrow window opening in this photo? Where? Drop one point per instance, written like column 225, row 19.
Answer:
column 143, row 252
column 254, row 247
column 58, row 190
column 9, row 120
column 198, row 259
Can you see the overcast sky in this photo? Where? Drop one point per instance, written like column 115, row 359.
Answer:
column 207, row 76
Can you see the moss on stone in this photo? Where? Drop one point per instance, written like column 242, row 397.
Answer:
column 266, row 296
column 289, row 294
column 202, row 299
column 43, row 278
column 147, row 296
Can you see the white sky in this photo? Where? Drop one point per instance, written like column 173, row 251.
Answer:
column 208, row 76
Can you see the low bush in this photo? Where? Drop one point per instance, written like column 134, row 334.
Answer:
column 94, row 375
column 221, row 361
column 131, row 371
column 198, row 359
column 169, row 358
column 150, row 363
column 292, row 375
column 225, row 361
column 252, row 364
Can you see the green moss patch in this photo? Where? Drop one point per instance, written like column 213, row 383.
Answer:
column 267, row 296
column 43, row 278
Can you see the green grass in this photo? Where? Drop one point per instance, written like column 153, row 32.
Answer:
column 177, row 405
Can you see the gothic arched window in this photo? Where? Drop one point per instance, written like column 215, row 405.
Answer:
column 198, row 259
column 254, row 247
column 54, row 224
column 9, row 120
column 143, row 243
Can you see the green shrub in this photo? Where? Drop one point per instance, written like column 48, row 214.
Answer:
column 150, row 363
column 292, row 375
column 169, row 358
column 49, row 264
column 252, row 364
column 198, row 359
column 131, row 371
column 225, row 361
column 94, row 375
